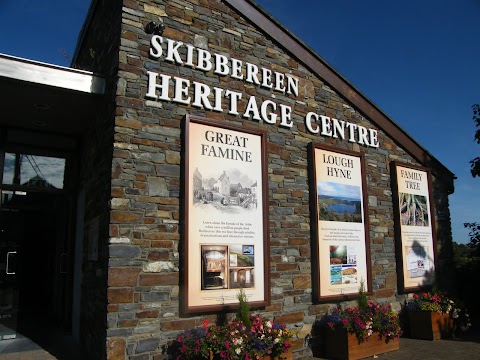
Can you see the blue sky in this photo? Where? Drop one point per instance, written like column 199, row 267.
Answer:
column 417, row 60
column 43, row 30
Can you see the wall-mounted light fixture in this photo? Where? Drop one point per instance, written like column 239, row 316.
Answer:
column 153, row 28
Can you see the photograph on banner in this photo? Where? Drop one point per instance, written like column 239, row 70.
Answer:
column 342, row 247
column 415, row 237
column 225, row 214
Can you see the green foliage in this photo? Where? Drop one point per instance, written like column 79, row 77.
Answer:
column 475, row 163
column 474, row 235
column 362, row 299
column 475, row 170
column 243, row 313
column 465, row 255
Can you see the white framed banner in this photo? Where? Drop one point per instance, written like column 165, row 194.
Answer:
column 225, row 216
column 414, row 228
column 339, row 223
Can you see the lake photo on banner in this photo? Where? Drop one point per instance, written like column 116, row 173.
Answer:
column 342, row 208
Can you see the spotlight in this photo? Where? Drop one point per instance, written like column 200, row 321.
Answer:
column 154, row 28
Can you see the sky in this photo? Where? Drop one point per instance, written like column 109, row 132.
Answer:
column 418, row 61
column 41, row 30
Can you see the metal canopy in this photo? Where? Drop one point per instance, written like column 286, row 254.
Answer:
column 47, row 98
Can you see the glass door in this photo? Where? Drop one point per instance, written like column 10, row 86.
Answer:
column 11, row 228
column 36, row 227
column 35, row 240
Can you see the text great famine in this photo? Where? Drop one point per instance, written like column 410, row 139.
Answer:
column 235, row 151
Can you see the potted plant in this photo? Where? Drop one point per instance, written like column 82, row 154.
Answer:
column 249, row 336
column 434, row 315
column 357, row 332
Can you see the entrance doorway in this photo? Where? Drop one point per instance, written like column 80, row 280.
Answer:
column 35, row 281
column 37, row 223
column 48, row 112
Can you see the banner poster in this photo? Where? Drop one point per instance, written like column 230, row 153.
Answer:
column 340, row 225
column 226, row 218
column 413, row 219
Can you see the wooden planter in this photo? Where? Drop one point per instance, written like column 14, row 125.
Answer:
column 340, row 345
column 429, row 325
column 287, row 356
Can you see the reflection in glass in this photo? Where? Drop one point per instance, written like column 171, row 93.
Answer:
column 8, row 168
column 34, row 171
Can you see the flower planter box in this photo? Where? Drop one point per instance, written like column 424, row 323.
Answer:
column 287, row 356
column 340, row 345
column 429, row 325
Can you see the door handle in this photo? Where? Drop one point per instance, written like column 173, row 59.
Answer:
column 7, row 270
column 63, row 263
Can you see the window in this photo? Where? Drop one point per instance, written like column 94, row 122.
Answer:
column 33, row 171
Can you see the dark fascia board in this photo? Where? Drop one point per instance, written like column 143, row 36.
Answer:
column 83, row 31
column 321, row 68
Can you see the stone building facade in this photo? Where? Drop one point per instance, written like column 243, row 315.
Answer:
column 131, row 169
column 144, row 261
column 141, row 257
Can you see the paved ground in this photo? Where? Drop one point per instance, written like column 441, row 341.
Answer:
column 29, row 355
column 465, row 347
column 56, row 346
column 462, row 348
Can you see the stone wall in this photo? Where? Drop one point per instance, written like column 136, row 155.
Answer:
column 445, row 263
column 145, row 264
column 98, row 52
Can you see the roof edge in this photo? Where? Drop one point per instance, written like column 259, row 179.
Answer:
column 36, row 72
column 83, row 31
